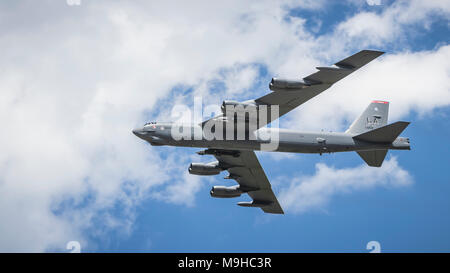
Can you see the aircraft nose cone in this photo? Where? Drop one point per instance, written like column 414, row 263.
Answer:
column 138, row 132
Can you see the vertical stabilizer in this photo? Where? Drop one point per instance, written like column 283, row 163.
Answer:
column 375, row 116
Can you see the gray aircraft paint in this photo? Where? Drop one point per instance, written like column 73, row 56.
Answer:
column 289, row 141
column 375, row 116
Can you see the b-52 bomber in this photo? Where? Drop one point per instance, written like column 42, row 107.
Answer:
column 234, row 135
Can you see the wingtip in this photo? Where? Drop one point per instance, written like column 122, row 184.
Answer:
column 405, row 122
column 376, row 52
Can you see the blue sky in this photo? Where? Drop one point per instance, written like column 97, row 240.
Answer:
column 411, row 219
column 88, row 74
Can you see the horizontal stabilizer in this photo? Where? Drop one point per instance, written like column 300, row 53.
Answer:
column 384, row 134
column 373, row 158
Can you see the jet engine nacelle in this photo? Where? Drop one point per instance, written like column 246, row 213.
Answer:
column 286, row 85
column 225, row 192
column 205, row 169
column 236, row 106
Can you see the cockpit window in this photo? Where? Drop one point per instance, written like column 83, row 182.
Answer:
column 150, row 123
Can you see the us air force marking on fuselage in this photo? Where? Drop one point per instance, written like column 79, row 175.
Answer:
column 238, row 129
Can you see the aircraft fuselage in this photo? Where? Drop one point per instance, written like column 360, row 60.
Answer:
column 281, row 140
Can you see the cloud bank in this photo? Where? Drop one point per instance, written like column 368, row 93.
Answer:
column 76, row 79
column 314, row 192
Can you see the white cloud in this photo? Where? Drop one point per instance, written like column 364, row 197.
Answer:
column 239, row 79
column 76, row 80
column 373, row 2
column 389, row 26
column 183, row 186
column 314, row 192
column 71, row 95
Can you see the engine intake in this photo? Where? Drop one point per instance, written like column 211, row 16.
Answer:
column 211, row 168
column 286, row 85
column 231, row 106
